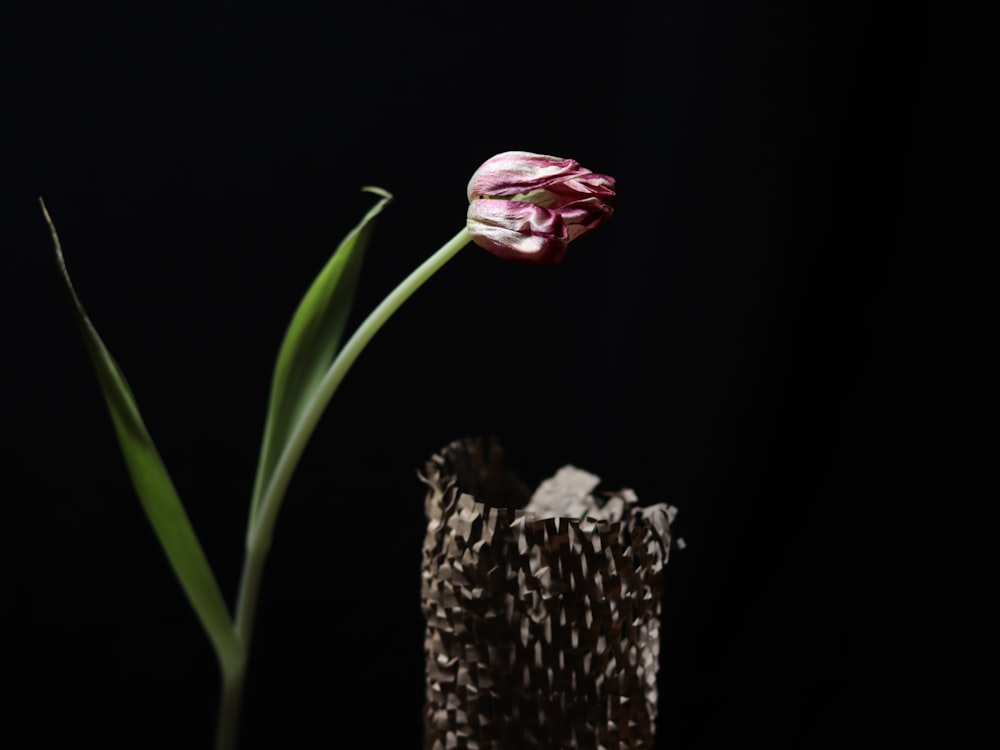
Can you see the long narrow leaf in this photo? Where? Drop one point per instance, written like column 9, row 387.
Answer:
column 310, row 343
column 152, row 483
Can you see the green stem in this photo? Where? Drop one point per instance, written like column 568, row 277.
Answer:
column 283, row 470
column 227, row 729
column 262, row 526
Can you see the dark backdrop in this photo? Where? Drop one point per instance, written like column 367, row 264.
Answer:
column 781, row 332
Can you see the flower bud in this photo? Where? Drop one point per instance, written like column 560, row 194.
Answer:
column 528, row 207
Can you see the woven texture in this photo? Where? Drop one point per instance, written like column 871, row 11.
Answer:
column 542, row 611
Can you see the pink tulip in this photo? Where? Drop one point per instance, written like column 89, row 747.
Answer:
column 529, row 207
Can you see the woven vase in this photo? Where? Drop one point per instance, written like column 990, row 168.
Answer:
column 542, row 609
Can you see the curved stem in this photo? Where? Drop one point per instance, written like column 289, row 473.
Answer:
column 262, row 527
column 283, row 470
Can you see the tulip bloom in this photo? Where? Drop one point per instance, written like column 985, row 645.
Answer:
column 529, row 207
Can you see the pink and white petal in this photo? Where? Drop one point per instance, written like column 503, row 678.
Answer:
column 528, row 218
column 584, row 215
column 514, row 172
column 518, row 231
column 597, row 185
column 526, row 248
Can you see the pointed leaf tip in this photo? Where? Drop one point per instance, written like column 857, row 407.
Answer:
column 377, row 191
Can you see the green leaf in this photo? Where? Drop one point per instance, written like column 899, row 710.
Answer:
column 156, row 491
column 310, row 343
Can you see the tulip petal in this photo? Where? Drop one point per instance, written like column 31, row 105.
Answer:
column 598, row 185
column 518, row 231
column 584, row 215
column 514, row 172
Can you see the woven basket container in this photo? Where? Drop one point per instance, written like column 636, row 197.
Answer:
column 542, row 609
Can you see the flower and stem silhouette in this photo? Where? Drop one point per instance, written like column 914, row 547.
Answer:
column 523, row 207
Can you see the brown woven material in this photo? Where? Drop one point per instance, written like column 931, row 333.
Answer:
column 542, row 611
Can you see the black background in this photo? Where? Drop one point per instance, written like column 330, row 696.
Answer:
column 782, row 331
